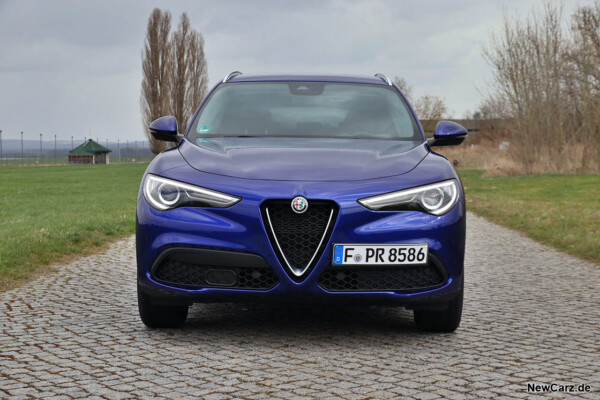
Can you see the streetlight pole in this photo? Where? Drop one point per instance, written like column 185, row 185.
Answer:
column 119, row 150
column 40, row 148
column 22, row 160
column 0, row 146
column 55, row 159
column 72, row 143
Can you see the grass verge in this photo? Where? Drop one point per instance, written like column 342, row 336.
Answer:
column 50, row 213
column 562, row 211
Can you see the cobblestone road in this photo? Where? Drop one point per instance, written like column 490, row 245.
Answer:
column 532, row 315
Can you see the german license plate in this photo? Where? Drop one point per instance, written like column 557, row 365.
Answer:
column 380, row 254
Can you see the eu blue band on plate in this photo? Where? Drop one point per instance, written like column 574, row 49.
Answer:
column 338, row 254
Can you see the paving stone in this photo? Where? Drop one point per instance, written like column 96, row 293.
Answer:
column 532, row 315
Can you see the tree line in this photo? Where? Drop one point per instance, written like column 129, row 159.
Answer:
column 546, row 87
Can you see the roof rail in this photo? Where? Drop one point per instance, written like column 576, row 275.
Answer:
column 383, row 78
column 231, row 76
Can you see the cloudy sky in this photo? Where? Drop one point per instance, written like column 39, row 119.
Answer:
column 73, row 68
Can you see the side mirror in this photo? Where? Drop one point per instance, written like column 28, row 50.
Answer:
column 165, row 129
column 447, row 133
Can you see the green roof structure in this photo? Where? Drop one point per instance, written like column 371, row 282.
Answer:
column 89, row 148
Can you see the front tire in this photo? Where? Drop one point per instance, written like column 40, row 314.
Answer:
column 160, row 316
column 446, row 320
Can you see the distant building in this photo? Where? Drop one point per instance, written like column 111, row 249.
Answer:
column 89, row 152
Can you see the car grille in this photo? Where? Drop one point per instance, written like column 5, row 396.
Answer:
column 337, row 279
column 204, row 276
column 299, row 239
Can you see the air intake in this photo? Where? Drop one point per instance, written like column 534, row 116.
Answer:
column 299, row 238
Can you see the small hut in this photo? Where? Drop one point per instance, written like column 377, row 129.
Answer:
column 89, row 152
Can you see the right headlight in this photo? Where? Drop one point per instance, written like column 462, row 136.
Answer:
column 165, row 194
column 437, row 199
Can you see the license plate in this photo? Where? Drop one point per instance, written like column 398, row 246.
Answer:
column 380, row 254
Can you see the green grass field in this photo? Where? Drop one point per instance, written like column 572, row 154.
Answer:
column 50, row 213
column 560, row 210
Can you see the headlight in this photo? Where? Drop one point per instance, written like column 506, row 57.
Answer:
column 164, row 194
column 436, row 199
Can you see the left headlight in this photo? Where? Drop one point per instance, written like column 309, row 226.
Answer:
column 165, row 194
column 437, row 199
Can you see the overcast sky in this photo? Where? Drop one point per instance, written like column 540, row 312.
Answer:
column 74, row 67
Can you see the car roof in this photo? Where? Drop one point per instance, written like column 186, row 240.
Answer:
column 308, row 78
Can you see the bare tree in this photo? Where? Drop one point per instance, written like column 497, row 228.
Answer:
column 543, row 78
column 198, row 79
column 175, row 72
column 404, row 86
column 427, row 107
column 583, row 82
column 156, row 63
column 189, row 76
column 430, row 107
column 492, row 107
column 180, row 71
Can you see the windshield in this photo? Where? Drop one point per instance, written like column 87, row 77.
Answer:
column 305, row 109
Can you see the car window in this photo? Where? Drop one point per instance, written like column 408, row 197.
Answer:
column 306, row 109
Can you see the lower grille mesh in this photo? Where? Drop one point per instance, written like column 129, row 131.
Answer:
column 179, row 273
column 373, row 279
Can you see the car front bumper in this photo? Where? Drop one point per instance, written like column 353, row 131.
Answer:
column 240, row 230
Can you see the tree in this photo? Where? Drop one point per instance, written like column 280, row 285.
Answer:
column 156, row 64
column 404, row 86
column 189, row 75
column 430, row 107
column 427, row 107
column 198, row 79
column 583, row 82
column 529, row 71
column 175, row 73
column 546, row 81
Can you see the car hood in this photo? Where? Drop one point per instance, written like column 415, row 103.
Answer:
column 302, row 159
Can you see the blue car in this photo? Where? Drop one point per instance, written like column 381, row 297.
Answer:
column 305, row 189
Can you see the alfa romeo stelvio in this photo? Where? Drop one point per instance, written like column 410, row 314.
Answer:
column 302, row 188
